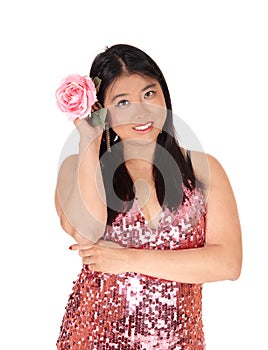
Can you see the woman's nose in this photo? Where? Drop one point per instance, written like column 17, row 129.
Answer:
column 140, row 110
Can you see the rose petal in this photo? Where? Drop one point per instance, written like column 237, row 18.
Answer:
column 76, row 95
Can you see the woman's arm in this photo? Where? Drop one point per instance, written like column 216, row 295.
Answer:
column 220, row 259
column 80, row 196
column 65, row 191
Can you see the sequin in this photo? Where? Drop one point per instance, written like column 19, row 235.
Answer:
column 132, row 311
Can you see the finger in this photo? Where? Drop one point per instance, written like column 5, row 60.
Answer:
column 74, row 247
column 94, row 108
column 77, row 121
column 97, row 106
column 85, row 253
column 80, row 246
column 86, row 260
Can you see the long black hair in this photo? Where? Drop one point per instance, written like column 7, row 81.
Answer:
column 171, row 169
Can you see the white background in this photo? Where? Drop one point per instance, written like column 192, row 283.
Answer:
column 214, row 56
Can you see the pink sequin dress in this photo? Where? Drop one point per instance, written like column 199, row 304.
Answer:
column 133, row 311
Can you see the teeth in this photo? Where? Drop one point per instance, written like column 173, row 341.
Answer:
column 143, row 127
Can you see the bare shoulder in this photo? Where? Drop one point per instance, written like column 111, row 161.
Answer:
column 205, row 165
column 209, row 171
column 201, row 166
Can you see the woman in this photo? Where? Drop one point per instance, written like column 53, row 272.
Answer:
column 152, row 221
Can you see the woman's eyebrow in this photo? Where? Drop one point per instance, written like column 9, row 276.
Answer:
column 149, row 87
column 120, row 95
column 125, row 94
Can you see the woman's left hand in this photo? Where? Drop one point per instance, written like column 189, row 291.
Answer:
column 104, row 257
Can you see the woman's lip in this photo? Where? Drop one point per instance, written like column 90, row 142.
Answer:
column 141, row 128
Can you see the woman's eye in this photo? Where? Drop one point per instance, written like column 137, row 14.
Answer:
column 149, row 94
column 122, row 103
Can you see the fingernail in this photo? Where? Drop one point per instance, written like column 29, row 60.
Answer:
column 71, row 247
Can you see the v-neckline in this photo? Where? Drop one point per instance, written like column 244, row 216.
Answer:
column 146, row 221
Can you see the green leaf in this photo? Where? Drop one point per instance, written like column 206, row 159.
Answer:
column 97, row 82
column 98, row 117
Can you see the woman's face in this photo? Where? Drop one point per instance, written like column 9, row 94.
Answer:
column 137, row 108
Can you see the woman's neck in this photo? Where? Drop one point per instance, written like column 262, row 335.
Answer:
column 139, row 169
column 139, row 155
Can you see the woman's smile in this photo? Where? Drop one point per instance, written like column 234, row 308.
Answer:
column 143, row 128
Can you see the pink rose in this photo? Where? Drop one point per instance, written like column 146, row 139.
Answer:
column 75, row 96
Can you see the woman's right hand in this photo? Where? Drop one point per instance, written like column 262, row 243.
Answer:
column 90, row 133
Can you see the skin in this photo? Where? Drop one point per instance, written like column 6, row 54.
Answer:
column 220, row 259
